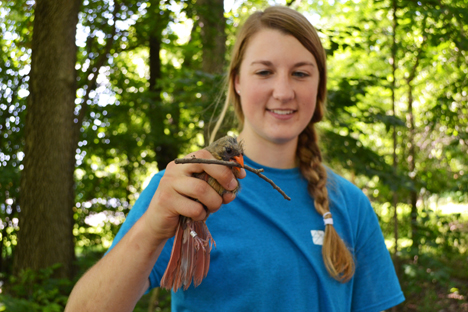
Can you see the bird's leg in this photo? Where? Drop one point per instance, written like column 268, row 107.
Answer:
column 198, row 241
column 209, row 237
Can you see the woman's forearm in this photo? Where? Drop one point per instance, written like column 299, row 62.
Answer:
column 120, row 278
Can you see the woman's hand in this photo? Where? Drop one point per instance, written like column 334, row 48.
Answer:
column 178, row 191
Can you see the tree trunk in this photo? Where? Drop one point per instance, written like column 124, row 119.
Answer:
column 213, row 35
column 412, row 168
column 46, row 220
column 156, row 112
column 411, row 142
column 165, row 148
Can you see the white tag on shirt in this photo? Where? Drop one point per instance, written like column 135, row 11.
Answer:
column 317, row 237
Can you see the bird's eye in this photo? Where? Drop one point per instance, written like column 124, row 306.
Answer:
column 228, row 150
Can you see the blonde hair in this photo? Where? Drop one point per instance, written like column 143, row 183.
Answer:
column 337, row 258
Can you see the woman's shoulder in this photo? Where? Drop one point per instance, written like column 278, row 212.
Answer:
column 146, row 195
column 341, row 185
column 152, row 182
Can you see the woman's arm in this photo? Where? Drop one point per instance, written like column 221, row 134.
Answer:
column 120, row 278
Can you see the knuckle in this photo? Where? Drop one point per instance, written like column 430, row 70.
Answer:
column 199, row 212
column 218, row 201
column 171, row 170
column 225, row 177
column 200, row 187
column 215, row 203
column 203, row 154
column 170, row 165
column 228, row 197
column 163, row 196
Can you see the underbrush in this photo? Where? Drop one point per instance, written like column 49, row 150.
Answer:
column 433, row 275
column 434, row 271
column 435, row 283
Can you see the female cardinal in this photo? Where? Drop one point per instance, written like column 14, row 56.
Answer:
column 190, row 256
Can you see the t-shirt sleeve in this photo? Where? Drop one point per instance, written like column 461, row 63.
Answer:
column 376, row 286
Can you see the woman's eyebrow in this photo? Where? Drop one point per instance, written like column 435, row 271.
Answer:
column 268, row 63
column 304, row 64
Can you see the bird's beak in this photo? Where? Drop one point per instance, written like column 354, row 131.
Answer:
column 240, row 160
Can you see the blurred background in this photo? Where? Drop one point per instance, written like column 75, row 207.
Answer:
column 98, row 95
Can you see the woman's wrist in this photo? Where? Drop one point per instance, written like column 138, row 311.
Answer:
column 145, row 237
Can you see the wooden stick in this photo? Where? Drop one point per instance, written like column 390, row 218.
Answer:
column 194, row 160
column 214, row 162
column 276, row 187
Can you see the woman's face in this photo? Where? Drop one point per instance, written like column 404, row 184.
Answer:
column 277, row 83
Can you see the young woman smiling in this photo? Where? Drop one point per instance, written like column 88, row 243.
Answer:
column 322, row 251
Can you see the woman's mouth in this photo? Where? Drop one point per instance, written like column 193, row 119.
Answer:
column 282, row 114
column 281, row 111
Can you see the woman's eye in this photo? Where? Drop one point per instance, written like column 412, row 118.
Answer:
column 300, row 74
column 263, row 73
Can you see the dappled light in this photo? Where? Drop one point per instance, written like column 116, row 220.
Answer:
column 148, row 89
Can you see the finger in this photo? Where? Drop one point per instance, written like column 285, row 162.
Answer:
column 242, row 174
column 200, row 190
column 181, row 178
column 228, row 197
column 191, row 208
column 178, row 204
column 222, row 174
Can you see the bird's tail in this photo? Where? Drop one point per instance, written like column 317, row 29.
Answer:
column 190, row 256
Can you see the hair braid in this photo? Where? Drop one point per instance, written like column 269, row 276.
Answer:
column 336, row 256
column 338, row 259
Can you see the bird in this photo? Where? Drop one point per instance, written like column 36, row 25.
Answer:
column 190, row 255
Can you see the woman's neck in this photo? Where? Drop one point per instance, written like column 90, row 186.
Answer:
column 270, row 154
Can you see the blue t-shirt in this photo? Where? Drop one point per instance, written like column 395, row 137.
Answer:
column 269, row 250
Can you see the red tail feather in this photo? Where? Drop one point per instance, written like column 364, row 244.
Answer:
column 190, row 256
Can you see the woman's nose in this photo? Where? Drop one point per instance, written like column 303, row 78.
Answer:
column 283, row 90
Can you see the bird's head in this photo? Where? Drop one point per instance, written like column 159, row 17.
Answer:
column 228, row 149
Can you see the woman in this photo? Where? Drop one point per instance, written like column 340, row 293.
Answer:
column 271, row 255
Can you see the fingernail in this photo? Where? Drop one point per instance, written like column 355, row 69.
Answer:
column 232, row 184
column 229, row 196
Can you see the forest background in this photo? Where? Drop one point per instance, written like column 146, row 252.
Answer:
column 98, row 95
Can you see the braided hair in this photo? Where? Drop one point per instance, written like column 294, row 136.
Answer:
column 336, row 256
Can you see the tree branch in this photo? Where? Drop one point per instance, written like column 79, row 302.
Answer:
column 231, row 164
column 419, row 54
column 97, row 66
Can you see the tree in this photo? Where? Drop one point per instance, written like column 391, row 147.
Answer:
column 45, row 236
column 213, row 35
column 14, row 67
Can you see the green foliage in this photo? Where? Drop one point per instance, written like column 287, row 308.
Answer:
column 127, row 119
column 15, row 37
column 158, row 299
column 434, row 274
column 125, row 128
column 36, row 291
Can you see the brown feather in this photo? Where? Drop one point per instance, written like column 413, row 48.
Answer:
column 199, row 272
column 170, row 275
column 190, row 256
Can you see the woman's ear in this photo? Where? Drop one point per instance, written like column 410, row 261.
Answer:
column 237, row 87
